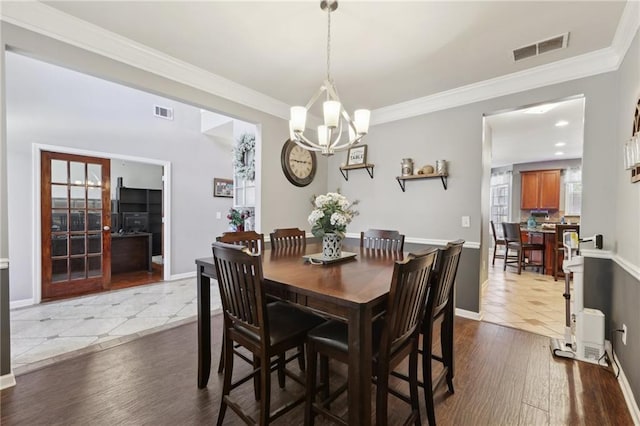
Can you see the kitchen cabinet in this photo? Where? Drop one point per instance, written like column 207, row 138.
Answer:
column 540, row 189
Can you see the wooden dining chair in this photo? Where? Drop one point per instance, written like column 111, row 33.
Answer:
column 440, row 307
column 266, row 330
column 513, row 237
column 497, row 242
column 293, row 238
column 250, row 239
column 255, row 243
column 395, row 336
column 379, row 239
column 558, row 247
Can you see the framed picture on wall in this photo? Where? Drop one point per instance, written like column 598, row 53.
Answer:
column 357, row 155
column 223, row 187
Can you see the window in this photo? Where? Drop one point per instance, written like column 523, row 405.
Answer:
column 573, row 192
column 500, row 198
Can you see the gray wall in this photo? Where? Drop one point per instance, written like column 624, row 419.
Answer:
column 626, row 283
column 192, row 166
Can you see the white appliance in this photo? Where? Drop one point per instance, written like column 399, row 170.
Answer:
column 584, row 327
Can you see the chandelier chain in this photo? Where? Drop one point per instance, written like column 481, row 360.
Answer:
column 329, row 44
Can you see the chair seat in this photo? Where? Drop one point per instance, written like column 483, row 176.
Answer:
column 335, row 334
column 286, row 322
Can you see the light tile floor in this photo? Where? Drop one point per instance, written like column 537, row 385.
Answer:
column 530, row 301
column 49, row 332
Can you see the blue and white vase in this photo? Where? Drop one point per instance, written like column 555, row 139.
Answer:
column 331, row 246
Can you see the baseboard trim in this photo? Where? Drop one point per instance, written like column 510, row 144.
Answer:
column 4, row 263
column 628, row 393
column 176, row 277
column 477, row 316
column 7, row 381
column 21, row 303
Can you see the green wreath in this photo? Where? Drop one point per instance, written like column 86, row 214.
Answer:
column 244, row 163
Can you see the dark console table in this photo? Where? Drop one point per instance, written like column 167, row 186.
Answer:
column 131, row 252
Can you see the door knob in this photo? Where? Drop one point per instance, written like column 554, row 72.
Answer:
column 106, row 228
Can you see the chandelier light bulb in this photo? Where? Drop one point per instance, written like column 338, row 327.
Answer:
column 331, row 113
column 298, row 118
column 361, row 120
column 323, row 135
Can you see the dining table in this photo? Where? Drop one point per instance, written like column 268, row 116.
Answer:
column 353, row 290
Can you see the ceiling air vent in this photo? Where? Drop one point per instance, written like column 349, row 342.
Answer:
column 163, row 112
column 540, row 47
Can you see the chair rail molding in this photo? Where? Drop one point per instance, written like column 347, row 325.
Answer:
column 4, row 263
column 425, row 241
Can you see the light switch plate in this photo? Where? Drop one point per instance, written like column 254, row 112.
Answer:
column 218, row 215
column 466, row 222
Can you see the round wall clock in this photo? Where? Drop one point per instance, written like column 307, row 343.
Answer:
column 298, row 164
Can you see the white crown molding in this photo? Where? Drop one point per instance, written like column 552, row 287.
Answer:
column 53, row 23
column 45, row 20
column 4, row 263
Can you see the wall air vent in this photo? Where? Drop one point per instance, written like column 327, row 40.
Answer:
column 163, row 112
column 554, row 43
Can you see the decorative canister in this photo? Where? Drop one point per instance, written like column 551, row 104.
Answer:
column 407, row 166
column 441, row 167
column 331, row 246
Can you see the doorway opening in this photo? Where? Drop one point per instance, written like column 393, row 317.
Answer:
column 542, row 144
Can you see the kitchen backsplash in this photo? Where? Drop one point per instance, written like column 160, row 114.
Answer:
column 552, row 217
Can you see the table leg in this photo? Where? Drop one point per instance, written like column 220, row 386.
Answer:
column 360, row 367
column 204, row 329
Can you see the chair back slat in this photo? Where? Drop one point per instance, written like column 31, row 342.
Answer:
column 446, row 270
column 288, row 238
column 511, row 232
column 250, row 239
column 240, row 280
column 384, row 240
column 407, row 298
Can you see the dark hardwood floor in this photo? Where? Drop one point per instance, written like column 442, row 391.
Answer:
column 503, row 376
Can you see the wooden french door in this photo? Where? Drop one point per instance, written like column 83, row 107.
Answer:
column 75, row 223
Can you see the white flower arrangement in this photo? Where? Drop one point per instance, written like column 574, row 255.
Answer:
column 331, row 214
column 244, row 164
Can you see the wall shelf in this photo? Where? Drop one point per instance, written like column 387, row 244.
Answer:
column 345, row 169
column 402, row 179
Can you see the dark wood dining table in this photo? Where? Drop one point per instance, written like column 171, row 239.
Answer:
column 354, row 291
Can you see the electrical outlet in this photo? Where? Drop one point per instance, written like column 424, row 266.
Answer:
column 465, row 222
column 624, row 334
column 218, row 215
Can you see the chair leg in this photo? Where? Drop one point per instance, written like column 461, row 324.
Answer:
column 311, row 384
column 281, row 380
column 506, row 257
column 427, row 376
column 382, row 394
column 555, row 265
column 226, row 385
column 221, row 362
column 520, row 260
column 301, row 357
column 265, row 391
column 413, row 382
column 495, row 250
column 256, row 378
column 446, row 344
column 324, row 377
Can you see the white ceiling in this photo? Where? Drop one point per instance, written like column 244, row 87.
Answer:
column 382, row 52
column 522, row 137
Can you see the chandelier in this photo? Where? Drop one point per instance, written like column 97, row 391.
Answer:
column 330, row 134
